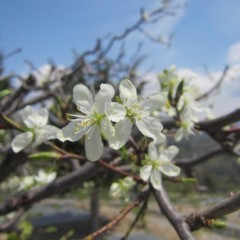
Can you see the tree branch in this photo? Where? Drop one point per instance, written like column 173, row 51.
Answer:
column 173, row 217
column 200, row 219
column 200, row 159
column 220, row 122
column 59, row 185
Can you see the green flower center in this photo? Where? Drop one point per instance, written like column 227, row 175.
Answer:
column 154, row 163
column 86, row 121
column 95, row 118
column 134, row 112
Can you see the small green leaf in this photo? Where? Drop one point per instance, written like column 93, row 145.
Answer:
column 26, row 229
column 51, row 229
column 170, row 98
column 218, row 224
column 118, row 100
column 123, row 153
column 189, row 180
column 179, row 91
column 44, row 156
column 5, row 92
column 68, row 235
column 13, row 236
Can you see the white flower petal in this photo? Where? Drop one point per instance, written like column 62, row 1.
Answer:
column 180, row 103
column 38, row 139
column 115, row 191
column 94, row 145
column 128, row 182
column 152, row 151
column 122, row 133
column 105, row 95
column 155, row 179
column 49, row 132
column 26, row 112
column 171, row 152
column 82, row 97
column 107, row 128
column 153, row 102
column 69, row 133
column 115, row 111
column 21, row 141
column 145, row 172
column 128, row 92
column 170, row 169
column 179, row 134
column 151, row 127
column 37, row 118
column 41, row 117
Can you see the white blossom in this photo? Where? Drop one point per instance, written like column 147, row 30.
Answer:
column 43, row 177
column 157, row 162
column 185, row 130
column 92, row 120
column 121, row 188
column 189, row 106
column 26, row 182
column 169, row 79
column 37, row 129
column 134, row 110
column 180, row 101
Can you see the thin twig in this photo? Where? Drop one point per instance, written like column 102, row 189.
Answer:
column 139, row 214
column 216, row 86
column 10, row 225
column 120, row 171
column 119, row 217
column 199, row 159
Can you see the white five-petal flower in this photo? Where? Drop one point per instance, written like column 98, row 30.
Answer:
column 157, row 162
column 38, row 130
column 91, row 122
column 134, row 110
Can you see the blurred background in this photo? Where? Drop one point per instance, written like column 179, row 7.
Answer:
column 201, row 38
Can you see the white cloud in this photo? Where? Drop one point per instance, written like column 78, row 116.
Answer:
column 233, row 55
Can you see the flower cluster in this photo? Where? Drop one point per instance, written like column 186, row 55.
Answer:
column 180, row 101
column 114, row 120
column 101, row 117
column 27, row 182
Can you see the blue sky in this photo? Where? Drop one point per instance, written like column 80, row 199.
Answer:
column 50, row 29
column 203, row 33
